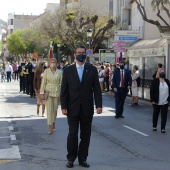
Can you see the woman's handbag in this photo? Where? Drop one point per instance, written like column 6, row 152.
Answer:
column 46, row 94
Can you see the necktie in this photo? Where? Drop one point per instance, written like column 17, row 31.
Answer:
column 122, row 80
column 80, row 72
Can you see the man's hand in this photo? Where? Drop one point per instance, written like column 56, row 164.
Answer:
column 64, row 112
column 37, row 90
column 99, row 110
column 115, row 89
column 153, row 103
column 129, row 87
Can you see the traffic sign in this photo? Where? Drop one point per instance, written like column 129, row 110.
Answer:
column 127, row 33
column 127, row 38
column 89, row 52
column 120, row 43
column 119, row 49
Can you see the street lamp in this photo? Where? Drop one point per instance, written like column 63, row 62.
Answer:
column 58, row 45
column 89, row 35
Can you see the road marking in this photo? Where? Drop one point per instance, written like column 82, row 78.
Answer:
column 135, row 130
column 3, row 137
column 10, row 128
column 10, row 153
column 13, row 137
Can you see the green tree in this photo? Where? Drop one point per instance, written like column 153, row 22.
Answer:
column 158, row 6
column 15, row 43
column 21, row 42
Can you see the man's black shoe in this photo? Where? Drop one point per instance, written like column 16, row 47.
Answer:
column 121, row 116
column 116, row 116
column 84, row 164
column 69, row 164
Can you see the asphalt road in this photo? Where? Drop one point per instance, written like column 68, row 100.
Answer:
column 116, row 144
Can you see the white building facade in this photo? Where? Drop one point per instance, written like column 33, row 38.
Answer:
column 151, row 50
column 18, row 22
column 147, row 30
column 99, row 6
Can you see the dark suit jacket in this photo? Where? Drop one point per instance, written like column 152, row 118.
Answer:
column 154, row 90
column 75, row 94
column 117, row 79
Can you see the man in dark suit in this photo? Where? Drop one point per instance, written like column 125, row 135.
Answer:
column 80, row 83
column 122, row 82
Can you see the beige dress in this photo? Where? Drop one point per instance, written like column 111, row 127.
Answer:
column 52, row 83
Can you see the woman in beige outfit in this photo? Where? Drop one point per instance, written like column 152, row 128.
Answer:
column 51, row 82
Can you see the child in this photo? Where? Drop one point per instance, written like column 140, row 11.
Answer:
column 2, row 75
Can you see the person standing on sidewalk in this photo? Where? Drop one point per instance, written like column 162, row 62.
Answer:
column 38, row 75
column 106, row 76
column 160, row 98
column 51, row 83
column 135, row 85
column 15, row 69
column 9, row 71
column 101, row 77
column 122, row 82
column 80, row 83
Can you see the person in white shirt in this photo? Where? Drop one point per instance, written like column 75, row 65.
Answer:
column 135, row 88
column 101, row 76
column 9, row 71
column 160, row 98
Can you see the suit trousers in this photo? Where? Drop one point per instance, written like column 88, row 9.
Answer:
column 120, row 97
column 72, row 140
column 21, row 83
column 164, row 112
column 8, row 76
column 31, row 86
column 52, row 107
column 16, row 75
column 106, row 81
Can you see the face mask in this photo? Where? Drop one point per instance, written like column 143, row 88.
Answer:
column 53, row 65
column 81, row 57
column 121, row 67
column 162, row 75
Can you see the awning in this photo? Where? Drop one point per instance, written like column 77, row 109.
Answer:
column 146, row 44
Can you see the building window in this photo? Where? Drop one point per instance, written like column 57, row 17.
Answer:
column 11, row 31
column 130, row 17
column 12, row 22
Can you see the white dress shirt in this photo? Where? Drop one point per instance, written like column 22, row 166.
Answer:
column 8, row 68
column 77, row 66
column 163, row 93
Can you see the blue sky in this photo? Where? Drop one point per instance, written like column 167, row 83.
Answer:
column 35, row 7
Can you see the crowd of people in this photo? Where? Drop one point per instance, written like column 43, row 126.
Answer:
column 76, row 86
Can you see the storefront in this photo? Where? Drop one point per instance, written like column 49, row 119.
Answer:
column 146, row 54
